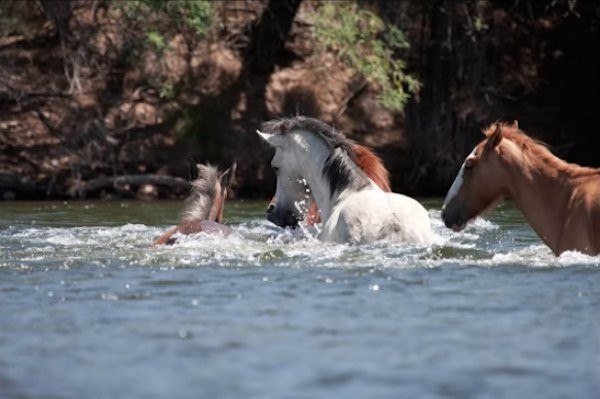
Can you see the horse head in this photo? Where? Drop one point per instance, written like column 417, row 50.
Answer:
column 209, row 192
column 480, row 183
column 292, row 194
column 204, row 206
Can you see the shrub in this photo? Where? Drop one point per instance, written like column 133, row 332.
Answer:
column 194, row 15
column 362, row 41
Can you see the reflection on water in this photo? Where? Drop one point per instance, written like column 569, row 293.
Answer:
column 89, row 309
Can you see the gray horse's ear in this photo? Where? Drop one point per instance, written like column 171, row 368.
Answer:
column 273, row 139
column 265, row 136
column 227, row 176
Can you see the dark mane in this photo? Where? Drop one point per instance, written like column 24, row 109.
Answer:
column 341, row 167
column 536, row 149
column 332, row 137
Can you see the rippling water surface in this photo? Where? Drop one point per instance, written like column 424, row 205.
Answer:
column 89, row 310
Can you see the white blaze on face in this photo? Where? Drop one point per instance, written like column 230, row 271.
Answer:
column 458, row 181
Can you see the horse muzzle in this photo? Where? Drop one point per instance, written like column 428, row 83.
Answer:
column 282, row 219
column 454, row 217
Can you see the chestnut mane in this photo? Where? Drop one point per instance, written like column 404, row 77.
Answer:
column 536, row 151
column 372, row 166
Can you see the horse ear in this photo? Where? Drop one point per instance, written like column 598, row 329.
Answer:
column 494, row 138
column 515, row 124
column 228, row 175
column 273, row 139
column 202, row 170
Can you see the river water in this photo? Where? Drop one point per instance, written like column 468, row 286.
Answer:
column 89, row 310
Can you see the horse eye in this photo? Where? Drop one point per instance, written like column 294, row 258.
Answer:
column 276, row 169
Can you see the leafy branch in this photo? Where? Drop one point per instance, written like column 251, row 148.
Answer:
column 362, row 41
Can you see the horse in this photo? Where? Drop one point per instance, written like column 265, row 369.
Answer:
column 366, row 160
column 560, row 200
column 353, row 208
column 203, row 211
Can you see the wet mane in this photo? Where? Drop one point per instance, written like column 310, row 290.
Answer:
column 333, row 138
column 200, row 201
column 373, row 166
column 536, row 150
column 341, row 166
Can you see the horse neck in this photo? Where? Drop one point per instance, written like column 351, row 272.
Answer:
column 199, row 206
column 541, row 188
column 330, row 174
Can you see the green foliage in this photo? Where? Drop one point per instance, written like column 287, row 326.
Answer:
column 9, row 23
column 167, row 91
column 195, row 15
column 156, row 40
column 150, row 22
column 19, row 18
column 361, row 40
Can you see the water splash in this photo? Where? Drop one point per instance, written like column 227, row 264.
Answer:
column 257, row 243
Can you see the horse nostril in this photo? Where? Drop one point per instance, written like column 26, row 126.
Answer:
column 270, row 208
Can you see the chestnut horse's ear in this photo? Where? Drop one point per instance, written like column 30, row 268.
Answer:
column 515, row 124
column 228, row 175
column 494, row 139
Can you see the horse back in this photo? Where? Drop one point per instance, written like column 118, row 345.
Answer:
column 211, row 227
column 372, row 215
column 193, row 227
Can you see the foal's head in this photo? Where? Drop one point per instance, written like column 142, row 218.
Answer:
column 209, row 192
column 481, row 181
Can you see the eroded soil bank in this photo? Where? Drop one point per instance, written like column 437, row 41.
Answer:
column 91, row 107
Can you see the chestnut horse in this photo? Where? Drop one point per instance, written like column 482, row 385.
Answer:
column 367, row 161
column 204, row 206
column 560, row 200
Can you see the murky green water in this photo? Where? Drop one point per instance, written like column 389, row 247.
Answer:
column 89, row 310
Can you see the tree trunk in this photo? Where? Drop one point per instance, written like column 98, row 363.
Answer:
column 269, row 36
column 439, row 124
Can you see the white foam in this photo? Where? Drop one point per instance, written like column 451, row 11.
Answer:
column 257, row 243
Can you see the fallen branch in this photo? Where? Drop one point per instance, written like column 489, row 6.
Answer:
column 12, row 187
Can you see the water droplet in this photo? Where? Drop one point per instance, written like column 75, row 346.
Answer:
column 374, row 287
column 195, row 302
column 109, row 296
column 183, row 334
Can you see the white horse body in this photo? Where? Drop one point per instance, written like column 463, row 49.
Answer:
column 353, row 208
column 373, row 214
